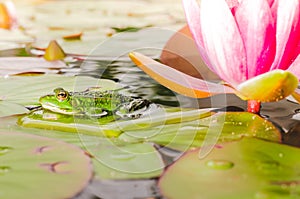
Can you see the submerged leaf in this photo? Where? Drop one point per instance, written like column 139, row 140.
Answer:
column 247, row 169
column 41, row 163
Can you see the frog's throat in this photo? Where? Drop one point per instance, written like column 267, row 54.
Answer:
column 59, row 110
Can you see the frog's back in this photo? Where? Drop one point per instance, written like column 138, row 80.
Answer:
column 108, row 100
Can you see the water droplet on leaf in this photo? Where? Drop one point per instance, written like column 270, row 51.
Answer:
column 220, row 164
column 5, row 149
column 4, row 170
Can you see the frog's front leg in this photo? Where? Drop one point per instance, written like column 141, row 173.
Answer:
column 96, row 112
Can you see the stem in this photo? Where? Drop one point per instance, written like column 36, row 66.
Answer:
column 253, row 106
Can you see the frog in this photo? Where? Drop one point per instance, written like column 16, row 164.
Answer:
column 94, row 102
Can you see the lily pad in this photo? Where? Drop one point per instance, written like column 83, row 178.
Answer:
column 218, row 128
column 8, row 108
column 41, row 163
column 20, row 65
column 248, row 169
column 103, row 166
column 26, row 90
column 114, row 159
column 54, row 121
column 115, row 47
column 107, row 126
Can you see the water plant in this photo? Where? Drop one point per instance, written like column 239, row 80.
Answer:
column 252, row 45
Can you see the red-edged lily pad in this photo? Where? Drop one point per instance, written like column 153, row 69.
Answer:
column 247, row 169
column 40, row 167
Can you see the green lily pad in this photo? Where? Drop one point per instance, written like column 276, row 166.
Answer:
column 247, row 169
column 268, row 87
column 8, row 108
column 32, row 164
column 98, row 20
column 103, row 168
column 54, row 121
column 220, row 127
column 15, row 36
column 107, row 126
column 23, row 65
column 26, row 90
column 114, row 159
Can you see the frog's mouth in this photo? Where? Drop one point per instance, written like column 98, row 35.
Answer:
column 55, row 109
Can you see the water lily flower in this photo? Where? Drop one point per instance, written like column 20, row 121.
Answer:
column 252, row 45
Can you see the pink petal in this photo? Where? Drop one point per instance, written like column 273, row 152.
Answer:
column 295, row 67
column 176, row 80
column 256, row 25
column 192, row 13
column 232, row 3
column 288, row 33
column 222, row 41
column 270, row 2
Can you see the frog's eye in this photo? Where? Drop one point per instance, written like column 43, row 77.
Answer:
column 61, row 94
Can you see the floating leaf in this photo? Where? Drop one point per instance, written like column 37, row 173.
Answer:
column 41, row 163
column 102, row 168
column 27, row 90
column 54, row 121
column 7, row 108
column 116, row 47
column 127, row 29
column 76, row 36
column 19, row 65
column 113, row 160
column 54, row 52
column 249, row 168
column 220, row 127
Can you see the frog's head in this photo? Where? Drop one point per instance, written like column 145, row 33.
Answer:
column 60, row 102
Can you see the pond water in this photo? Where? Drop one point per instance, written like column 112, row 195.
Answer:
column 285, row 114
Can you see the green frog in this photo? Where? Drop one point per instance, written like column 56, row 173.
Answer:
column 94, row 103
